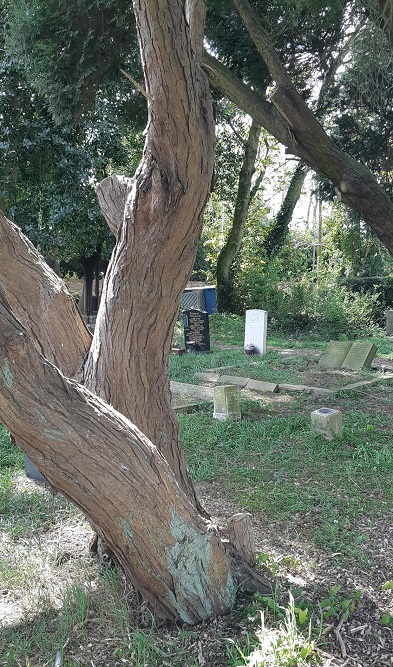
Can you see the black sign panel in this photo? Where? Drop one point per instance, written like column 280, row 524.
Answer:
column 196, row 331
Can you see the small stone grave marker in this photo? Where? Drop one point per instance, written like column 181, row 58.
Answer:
column 226, row 403
column 335, row 353
column 389, row 322
column 327, row 422
column 256, row 330
column 359, row 356
column 196, row 330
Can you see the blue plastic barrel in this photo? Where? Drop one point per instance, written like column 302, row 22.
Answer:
column 210, row 299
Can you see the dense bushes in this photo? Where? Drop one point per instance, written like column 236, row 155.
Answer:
column 300, row 305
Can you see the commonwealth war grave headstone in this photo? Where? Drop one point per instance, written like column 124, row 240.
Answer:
column 256, row 330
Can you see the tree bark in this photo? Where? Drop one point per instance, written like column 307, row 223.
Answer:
column 101, row 461
column 104, row 464
column 41, row 301
column 142, row 504
column 158, row 231
column 290, row 120
column 233, row 242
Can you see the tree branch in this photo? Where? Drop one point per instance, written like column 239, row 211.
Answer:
column 41, row 301
column 249, row 101
column 112, row 194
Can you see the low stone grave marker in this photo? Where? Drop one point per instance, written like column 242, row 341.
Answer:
column 335, row 353
column 196, row 331
column 327, row 422
column 226, row 403
column 359, row 356
column 256, row 330
column 389, row 322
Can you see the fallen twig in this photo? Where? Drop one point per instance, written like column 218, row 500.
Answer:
column 340, row 639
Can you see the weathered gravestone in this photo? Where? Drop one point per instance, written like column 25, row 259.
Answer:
column 256, row 330
column 359, row 356
column 196, row 331
column 327, row 422
column 389, row 322
column 335, row 353
column 226, row 403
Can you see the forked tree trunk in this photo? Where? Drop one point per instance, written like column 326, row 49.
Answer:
column 97, row 447
column 157, row 217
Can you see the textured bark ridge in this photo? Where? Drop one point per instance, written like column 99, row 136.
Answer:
column 111, row 446
column 158, row 220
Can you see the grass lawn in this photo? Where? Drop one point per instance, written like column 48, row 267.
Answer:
column 322, row 513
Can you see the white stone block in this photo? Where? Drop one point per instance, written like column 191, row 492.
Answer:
column 226, row 403
column 327, row 422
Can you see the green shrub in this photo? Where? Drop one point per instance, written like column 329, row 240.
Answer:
column 298, row 305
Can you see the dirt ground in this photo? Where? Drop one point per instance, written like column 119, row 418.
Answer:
column 362, row 641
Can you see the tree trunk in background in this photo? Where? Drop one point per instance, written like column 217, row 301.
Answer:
column 289, row 119
column 228, row 253
column 142, row 504
column 275, row 237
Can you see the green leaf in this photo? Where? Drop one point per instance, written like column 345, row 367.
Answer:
column 385, row 618
column 387, row 586
column 302, row 613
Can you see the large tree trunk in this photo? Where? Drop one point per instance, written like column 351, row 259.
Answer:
column 225, row 291
column 104, row 464
column 142, row 504
column 290, row 120
column 157, row 217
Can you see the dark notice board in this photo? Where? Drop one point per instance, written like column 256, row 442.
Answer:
column 196, row 330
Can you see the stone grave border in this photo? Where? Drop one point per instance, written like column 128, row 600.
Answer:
column 204, row 392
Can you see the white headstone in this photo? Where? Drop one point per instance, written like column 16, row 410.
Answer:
column 256, row 330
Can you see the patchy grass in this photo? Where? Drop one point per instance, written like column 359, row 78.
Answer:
column 274, row 465
column 321, row 512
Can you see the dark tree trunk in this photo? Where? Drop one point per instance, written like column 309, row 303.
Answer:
column 276, row 235
column 228, row 253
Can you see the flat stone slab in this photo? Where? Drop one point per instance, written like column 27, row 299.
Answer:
column 355, row 385
column 220, row 369
column 335, row 353
column 194, row 391
column 186, row 408
column 208, row 377
column 233, row 379
column 359, row 356
column 320, row 391
column 261, row 385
